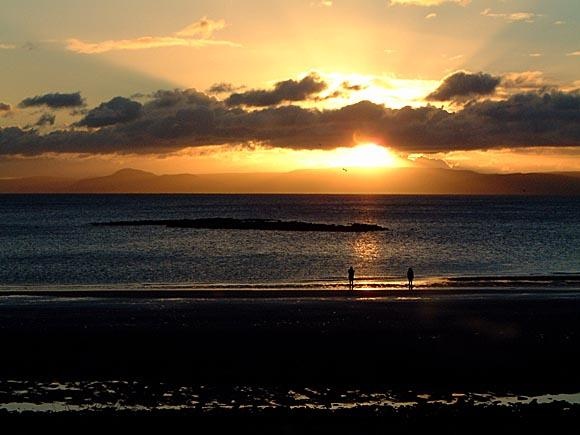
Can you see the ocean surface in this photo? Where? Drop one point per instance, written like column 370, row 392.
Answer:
column 47, row 241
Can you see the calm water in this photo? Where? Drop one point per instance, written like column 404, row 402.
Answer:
column 48, row 240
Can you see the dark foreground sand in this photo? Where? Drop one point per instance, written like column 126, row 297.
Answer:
column 506, row 342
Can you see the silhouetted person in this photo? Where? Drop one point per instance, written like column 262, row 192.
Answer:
column 351, row 278
column 410, row 277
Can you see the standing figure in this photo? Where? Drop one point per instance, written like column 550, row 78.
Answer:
column 410, row 276
column 351, row 278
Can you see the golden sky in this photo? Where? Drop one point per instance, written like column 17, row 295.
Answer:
column 226, row 86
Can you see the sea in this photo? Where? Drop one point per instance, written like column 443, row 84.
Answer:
column 49, row 242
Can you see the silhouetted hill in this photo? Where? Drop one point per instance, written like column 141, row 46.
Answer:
column 135, row 181
column 394, row 181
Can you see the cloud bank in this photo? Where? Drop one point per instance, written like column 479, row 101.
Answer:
column 173, row 120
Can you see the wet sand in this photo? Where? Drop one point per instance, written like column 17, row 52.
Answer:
column 517, row 339
column 522, row 342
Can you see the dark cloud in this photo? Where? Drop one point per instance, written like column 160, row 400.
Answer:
column 223, row 88
column 45, row 119
column 350, row 87
column 462, row 84
column 5, row 107
column 285, row 91
column 178, row 97
column 54, row 101
column 139, row 96
column 173, row 120
column 116, row 111
column 343, row 91
column 192, row 122
column 335, row 94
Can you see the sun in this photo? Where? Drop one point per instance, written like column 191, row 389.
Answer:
column 367, row 155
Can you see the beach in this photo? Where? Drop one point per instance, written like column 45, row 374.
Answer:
column 519, row 342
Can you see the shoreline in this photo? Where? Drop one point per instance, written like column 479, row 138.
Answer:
column 275, row 293
column 325, row 287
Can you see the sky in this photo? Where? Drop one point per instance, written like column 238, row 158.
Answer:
column 213, row 86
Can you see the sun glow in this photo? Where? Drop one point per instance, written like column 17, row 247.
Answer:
column 368, row 155
column 391, row 91
column 227, row 159
column 363, row 156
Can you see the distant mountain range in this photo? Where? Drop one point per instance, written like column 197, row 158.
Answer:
column 393, row 181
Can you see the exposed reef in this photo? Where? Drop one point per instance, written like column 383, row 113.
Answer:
column 248, row 224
